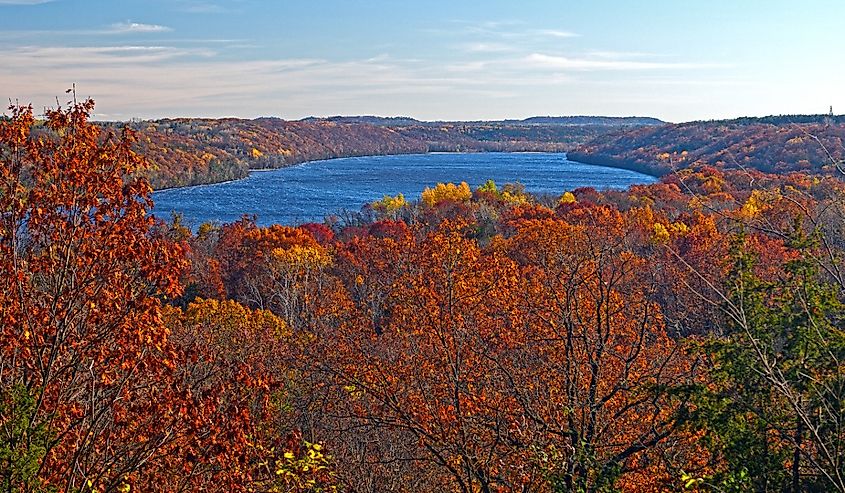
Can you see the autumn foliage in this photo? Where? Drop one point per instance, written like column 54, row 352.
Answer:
column 190, row 151
column 772, row 145
column 99, row 391
column 681, row 336
column 82, row 338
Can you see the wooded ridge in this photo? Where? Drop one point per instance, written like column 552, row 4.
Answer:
column 775, row 144
column 192, row 151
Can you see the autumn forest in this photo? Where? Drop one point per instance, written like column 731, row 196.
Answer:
column 680, row 336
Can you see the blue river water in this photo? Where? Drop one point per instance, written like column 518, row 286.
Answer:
column 311, row 191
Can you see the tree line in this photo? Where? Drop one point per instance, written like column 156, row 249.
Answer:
column 193, row 151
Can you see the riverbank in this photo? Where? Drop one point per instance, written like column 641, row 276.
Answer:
column 250, row 171
column 651, row 169
column 573, row 156
column 186, row 152
column 312, row 191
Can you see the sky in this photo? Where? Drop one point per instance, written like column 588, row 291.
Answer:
column 678, row 60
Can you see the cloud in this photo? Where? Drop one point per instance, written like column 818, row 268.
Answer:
column 137, row 27
column 24, row 2
column 555, row 33
column 33, row 58
column 507, row 76
column 476, row 26
column 540, row 60
column 475, row 66
column 488, row 48
column 157, row 81
column 381, row 57
column 116, row 28
column 510, row 30
column 622, row 54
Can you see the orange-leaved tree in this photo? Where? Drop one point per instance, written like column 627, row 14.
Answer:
column 597, row 376
column 237, row 387
column 420, row 363
column 84, row 354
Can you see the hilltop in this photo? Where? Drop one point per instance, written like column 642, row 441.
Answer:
column 772, row 144
column 191, row 151
column 397, row 121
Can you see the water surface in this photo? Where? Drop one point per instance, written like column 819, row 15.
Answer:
column 310, row 191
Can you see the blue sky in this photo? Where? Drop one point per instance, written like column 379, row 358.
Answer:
column 677, row 60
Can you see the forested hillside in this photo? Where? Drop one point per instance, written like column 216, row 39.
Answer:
column 193, row 151
column 680, row 336
column 770, row 144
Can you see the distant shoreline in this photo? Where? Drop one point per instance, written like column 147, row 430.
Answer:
column 655, row 171
column 566, row 155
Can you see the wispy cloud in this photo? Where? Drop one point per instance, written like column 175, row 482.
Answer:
column 490, row 47
column 33, row 58
column 24, row 2
column 382, row 57
column 34, row 35
column 511, row 68
column 489, row 25
column 623, row 54
column 155, row 81
column 137, row 27
column 556, row 33
column 466, row 67
column 511, row 30
column 540, row 60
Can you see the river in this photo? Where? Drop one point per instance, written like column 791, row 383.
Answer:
column 310, row 191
